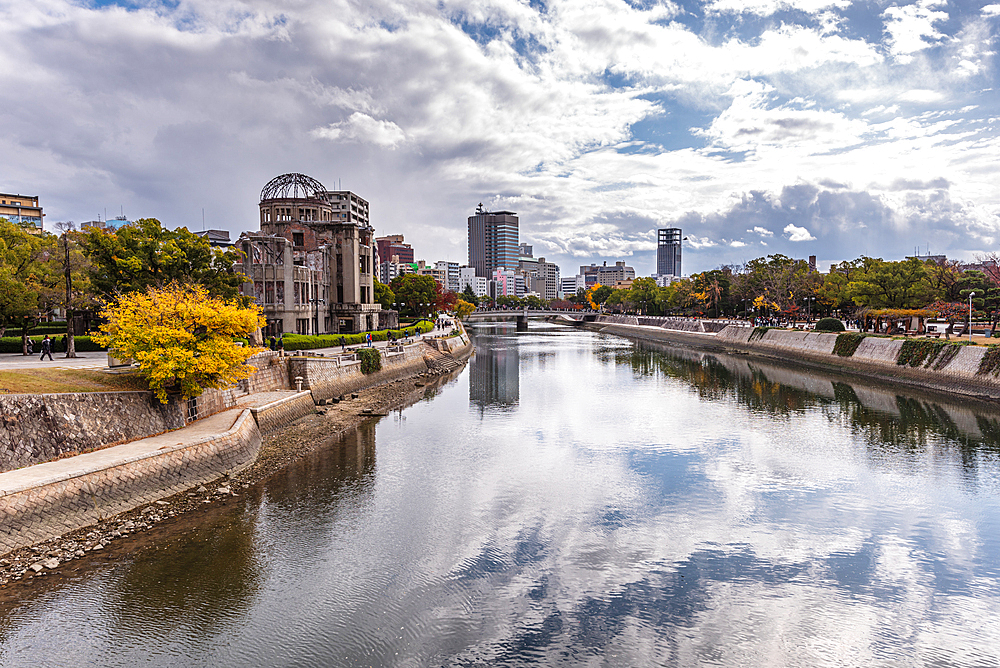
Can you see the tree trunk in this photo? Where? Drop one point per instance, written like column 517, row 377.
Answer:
column 70, row 338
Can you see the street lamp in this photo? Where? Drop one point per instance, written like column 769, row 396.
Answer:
column 971, row 295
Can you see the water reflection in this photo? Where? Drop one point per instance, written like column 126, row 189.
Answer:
column 494, row 371
column 640, row 506
column 885, row 417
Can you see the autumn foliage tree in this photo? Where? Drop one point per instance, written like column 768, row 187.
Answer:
column 181, row 337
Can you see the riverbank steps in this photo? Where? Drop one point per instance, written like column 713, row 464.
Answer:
column 875, row 357
column 51, row 499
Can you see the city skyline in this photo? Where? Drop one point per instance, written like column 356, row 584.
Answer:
column 803, row 127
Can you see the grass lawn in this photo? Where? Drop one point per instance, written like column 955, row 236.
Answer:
column 43, row 381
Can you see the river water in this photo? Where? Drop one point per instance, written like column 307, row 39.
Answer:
column 572, row 499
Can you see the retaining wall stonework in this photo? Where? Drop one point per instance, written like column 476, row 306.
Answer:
column 277, row 414
column 326, row 378
column 37, row 427
column 52, row 506
column 875, row 356
column 271, row 375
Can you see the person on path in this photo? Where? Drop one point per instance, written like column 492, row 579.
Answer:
column 46, row 349
column 281, row 343
column 273, row 343
column 368, row 339
column 31, row 347
column 343, row 345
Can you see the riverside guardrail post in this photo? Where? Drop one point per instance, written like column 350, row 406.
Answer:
column 298, row 383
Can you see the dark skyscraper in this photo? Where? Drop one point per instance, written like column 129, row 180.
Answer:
column 668, row 251
column 493, row 241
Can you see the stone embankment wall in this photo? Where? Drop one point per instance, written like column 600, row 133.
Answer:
column 875, row 356
column 271, row 375
column 328, row 378
column 53, row 505
column 277, row 414
column 39, row 427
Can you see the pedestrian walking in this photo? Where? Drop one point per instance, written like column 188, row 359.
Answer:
column 368, row 339
column 281, row 343
column 31, row 347
column 46, row 349
column 343, row 345
column 273, row 343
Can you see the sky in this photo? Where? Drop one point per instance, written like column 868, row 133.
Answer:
column 803, row 127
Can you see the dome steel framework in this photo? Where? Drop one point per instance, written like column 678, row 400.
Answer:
column 290, row 186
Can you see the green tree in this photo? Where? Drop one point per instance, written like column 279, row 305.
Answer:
column 384, row 295
column 418, row 294
column 469, row 295
column 145, row 254
column 778, row 279
column 71, row 289
column 881, row 284
column 24, row 275
column 601, row 294
column 642, row 296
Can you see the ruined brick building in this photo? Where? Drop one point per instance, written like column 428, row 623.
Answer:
column 310, row 267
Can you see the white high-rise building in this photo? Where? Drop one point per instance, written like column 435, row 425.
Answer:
column 467, row 276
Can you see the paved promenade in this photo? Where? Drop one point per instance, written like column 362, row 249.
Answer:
column 99, row 360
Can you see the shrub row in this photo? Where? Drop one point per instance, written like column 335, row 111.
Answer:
column 915, row 352
column 371, row 360
column 12, row 344
column 847, row 343
column 301, row 342
column 990, row 363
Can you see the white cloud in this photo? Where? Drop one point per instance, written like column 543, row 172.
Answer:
column 991, row 10
column 762, row 231
column 911, row 28
column 768, row 7
column 798, row 233
column 363, row 128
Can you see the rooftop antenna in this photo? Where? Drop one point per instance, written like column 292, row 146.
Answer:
column 202, row 219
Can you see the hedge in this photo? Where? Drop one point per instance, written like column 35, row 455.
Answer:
column 301, row 342
column 847, row 343
column 371, row 360
column 12, row 344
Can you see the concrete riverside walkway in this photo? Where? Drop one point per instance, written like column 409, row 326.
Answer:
column 99, row 360
column 71, row 467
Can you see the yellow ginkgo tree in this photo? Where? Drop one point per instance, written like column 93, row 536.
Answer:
column 182, row 338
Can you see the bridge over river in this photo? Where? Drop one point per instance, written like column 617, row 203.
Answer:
column 523, row 315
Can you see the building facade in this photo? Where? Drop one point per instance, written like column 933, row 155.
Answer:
column 451, row 271
column 605, row 275
column 21, row 210
column 493, row 241
column 392, row 246
column 570, row 285
column 479, row 284
column 543, row 277
column 668, row 251
column 329, row 232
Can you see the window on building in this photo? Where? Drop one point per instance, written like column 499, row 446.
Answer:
column 302, row 325
column 298, row 239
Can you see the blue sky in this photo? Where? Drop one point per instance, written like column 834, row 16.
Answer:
column 805, row 127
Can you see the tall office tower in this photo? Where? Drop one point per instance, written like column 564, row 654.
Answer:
column 668, row 251
column 492, row 241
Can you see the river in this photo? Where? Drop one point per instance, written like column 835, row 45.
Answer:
column 575, row 499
